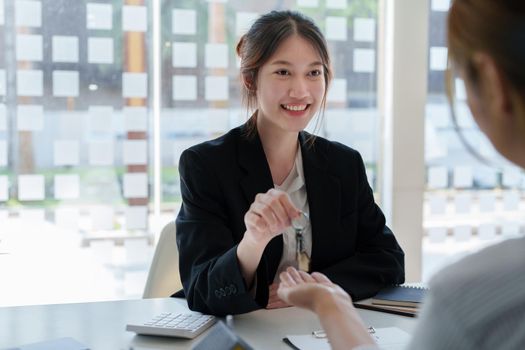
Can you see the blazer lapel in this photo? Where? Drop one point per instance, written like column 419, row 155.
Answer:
column 258, row 179
column 324, row 197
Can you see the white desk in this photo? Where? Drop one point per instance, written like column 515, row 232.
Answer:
column 101, row 325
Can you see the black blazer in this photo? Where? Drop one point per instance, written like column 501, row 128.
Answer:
column 219, row 181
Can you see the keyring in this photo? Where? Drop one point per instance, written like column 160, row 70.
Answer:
column 301, row 222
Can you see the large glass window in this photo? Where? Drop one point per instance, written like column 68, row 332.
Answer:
column 468, row 203
column 77, row 126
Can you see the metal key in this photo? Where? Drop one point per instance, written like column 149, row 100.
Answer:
column 299, row 224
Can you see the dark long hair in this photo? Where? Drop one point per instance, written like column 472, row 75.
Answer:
column 262, row 40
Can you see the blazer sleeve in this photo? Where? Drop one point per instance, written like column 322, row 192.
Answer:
column 378, row 260
column 209, row 269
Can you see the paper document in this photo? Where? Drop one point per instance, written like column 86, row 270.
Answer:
column 390, row 338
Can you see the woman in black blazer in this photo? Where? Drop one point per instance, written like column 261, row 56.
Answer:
column 231, row 223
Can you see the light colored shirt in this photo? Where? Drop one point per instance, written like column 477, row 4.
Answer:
column 476, row 303
column 295, row 186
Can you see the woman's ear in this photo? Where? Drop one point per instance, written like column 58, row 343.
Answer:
column 493, row 86
column 247, row 80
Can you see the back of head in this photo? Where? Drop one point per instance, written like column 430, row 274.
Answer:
column 495, row 27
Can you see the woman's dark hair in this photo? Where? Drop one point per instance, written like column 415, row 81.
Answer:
column 262, row 40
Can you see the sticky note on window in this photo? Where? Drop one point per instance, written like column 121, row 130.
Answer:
column 135, row 185
column 487, row 231
column 463, row 177
column 65, row 152
column 510, row 230
column 511, row 201
column 486, row 202
column 216, row 88
column 337, row 91
column 100, row 118
column 67, row 186
column 65, row 83
column 101, row 153
column 28, row 13
column 99, row 16
column 463, row 203
column 438, row 58
column 438, row 204
column 462, row 233
column 216, row 56
column 364, row 29
column 2, row 82
column 135, row 85
column 65, row 49
column 67, row 218
column 336, row 28
column 244, row 21
column 29, row 82
column 136, row 219
column 4, row 188
column 134, row 19
column 135, row 152
column 30, row 117
column 307, row 3
column 364, row 60
column 31, row 187
column 440, row 5
column 135, row 118
column 102, row 218
column 100, row 50
column 3, row 153
column 437, row 177
column 29, row 47
column 336, row 4
column 184, row 55
column 437, row 234
column 184, row 22
column 184, row 87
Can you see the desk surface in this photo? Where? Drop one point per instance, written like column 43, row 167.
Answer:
column 101, row 325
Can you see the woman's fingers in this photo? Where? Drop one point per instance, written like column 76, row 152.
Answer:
column 321, row 278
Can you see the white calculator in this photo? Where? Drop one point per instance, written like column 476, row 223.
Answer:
column 174, row 325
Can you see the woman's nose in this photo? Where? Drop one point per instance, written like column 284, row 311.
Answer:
column 298, row 88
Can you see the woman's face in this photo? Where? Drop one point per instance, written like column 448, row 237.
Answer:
column 290, row 86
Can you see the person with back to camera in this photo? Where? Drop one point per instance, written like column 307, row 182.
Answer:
column 479, row 302
column 240, row 192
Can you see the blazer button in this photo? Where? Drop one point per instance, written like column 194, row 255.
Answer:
column 218, row 294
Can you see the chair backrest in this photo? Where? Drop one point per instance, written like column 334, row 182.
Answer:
column 163, row 277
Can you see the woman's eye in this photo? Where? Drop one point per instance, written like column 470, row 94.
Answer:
column 315, row 73
column 282, row 72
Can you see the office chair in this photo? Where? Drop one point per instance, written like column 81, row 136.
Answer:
column 163, row 277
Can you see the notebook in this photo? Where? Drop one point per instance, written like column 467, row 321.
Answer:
column 404, row 296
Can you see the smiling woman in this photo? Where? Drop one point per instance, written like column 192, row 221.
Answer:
column 241, row 191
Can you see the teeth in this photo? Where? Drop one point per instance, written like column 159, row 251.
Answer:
column 295, row 107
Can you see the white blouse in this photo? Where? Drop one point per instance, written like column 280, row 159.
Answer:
column 295, row 186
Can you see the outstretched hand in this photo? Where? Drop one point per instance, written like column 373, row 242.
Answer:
column 308, row 290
